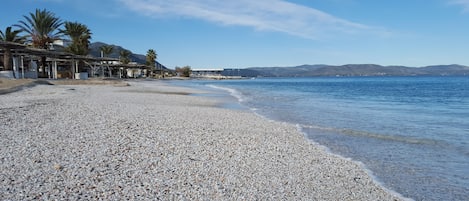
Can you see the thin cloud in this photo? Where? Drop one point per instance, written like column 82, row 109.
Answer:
column 262, row 15
column 463, row 3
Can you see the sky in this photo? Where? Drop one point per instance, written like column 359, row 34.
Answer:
column 267, row 33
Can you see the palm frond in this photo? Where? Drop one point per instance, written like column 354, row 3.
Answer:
column 41, row 26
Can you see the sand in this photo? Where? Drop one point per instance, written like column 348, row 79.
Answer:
column 152, row 141
column 14, row 85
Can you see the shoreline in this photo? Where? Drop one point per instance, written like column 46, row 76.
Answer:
column 155, row 141
column 235, row 94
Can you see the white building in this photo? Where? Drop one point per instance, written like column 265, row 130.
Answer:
column 215, row 73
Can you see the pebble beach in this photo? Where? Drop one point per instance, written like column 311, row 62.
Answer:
column 154, row 141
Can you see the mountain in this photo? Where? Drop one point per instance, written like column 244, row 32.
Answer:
column 316, row 70
column 297, row 71
column 446, row 70
column 240, row 72
column 96, row 52
column 138, row 58
column 359, row 70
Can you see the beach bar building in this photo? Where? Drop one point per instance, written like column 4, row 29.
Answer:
column 26, row 62
column 63, row 65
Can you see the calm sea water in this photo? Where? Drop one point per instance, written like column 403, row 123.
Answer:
column 411, row 132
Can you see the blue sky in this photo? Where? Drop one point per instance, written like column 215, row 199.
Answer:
column 256, row 33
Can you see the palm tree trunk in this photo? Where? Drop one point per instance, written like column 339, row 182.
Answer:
column 7, row 59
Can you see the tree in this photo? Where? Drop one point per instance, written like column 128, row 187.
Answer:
column 80, row 36
column 125, row 56
column 151, row 57
column 42, row 28
column 106, row 50
column 184, row 71
column 10, row 36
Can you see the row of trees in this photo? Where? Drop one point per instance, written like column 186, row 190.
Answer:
column 184, row 71
column 42, row 28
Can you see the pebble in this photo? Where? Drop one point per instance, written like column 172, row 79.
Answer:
column 143, row 143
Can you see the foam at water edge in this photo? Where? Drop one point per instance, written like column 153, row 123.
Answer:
column 233, row 92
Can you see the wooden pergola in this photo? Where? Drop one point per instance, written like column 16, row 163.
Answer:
column 23, row 51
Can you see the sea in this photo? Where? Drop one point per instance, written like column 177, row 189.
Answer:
column 410, row 133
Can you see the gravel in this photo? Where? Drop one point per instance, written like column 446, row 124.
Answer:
column 151, row 141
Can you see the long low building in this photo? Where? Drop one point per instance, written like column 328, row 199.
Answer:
column 60, row 64
column 215, row 73
column 207, row 73
column 26, row 62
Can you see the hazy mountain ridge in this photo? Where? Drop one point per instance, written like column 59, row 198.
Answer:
column 360, row 70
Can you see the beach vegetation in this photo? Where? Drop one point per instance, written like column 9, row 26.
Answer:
column 80, row 36
column 42, row 28
column 150, row 59
column 184, row 71
column 124, row 56
column 14, row 37
column 106, row 50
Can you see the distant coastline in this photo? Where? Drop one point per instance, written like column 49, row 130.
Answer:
column 351, row 70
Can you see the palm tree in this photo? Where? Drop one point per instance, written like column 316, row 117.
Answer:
column 151, row 57
column 80, row 36
column 10, row 36
column 125, row 56
column 106, row 50
column 42, row 27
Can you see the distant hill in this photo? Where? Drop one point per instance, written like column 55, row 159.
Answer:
column 139, row 58
column 318, row 69
column 96, row 52
column 359, row 70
